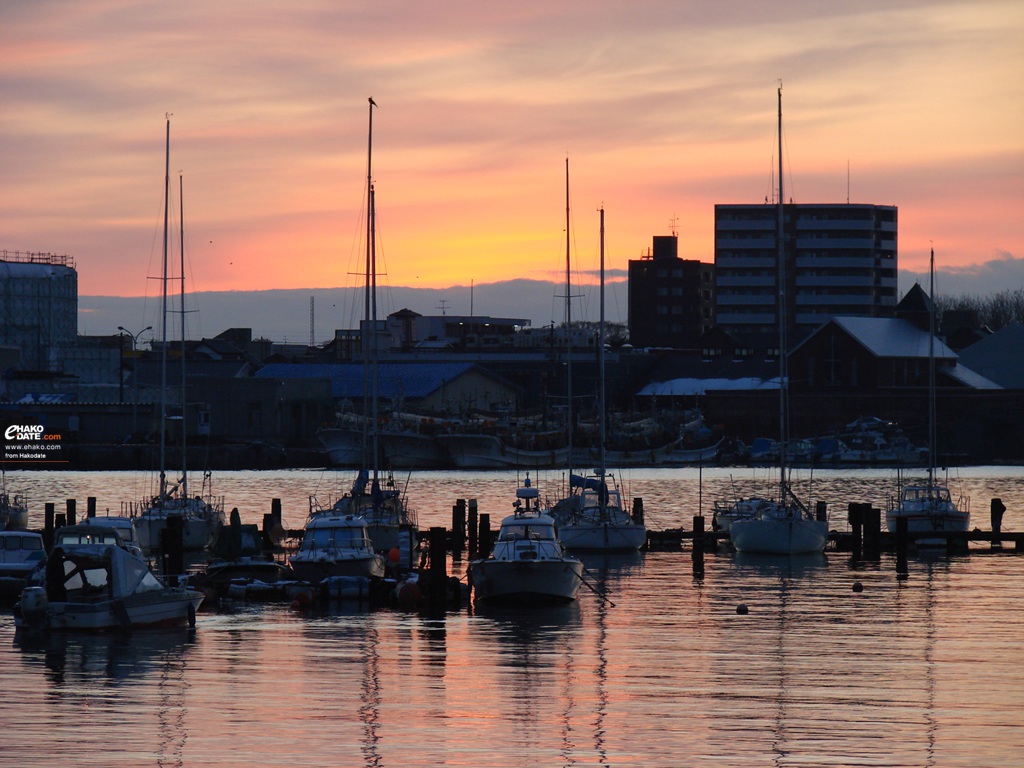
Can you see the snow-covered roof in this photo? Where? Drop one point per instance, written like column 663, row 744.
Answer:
column 693, row 386
column 893, row 337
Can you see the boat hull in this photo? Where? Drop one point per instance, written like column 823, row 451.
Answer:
column 552, row 581
column 169, row 607
column 794, row 536
column 195, row 534
column 602, row 537
column 316, row 569
column 490, row 452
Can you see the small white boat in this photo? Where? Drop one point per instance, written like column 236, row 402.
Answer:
column 201, row 518
column 95, row 534
column 20, row 553
column 780, row 529
column 726, row 512
column 123, row 525
column 593, row 520
column 528, row 564
column 928, row 507
column 336, row 545
column 101, row 587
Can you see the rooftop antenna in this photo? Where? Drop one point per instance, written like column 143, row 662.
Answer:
column 847, row 182
column 674, row 225
column 442, row 307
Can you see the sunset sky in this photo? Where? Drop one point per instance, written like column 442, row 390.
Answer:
column 663, row 109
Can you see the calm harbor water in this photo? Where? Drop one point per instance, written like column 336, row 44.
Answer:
column 922, row 671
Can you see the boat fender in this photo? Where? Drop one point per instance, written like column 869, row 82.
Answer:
column 34, row 604
column 191, row 616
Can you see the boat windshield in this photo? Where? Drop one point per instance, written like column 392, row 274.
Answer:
column 23, row 542
column 924, row 493
column 338, row 538
column 534, row 531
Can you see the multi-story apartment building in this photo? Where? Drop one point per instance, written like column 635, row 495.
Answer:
column 38, row 308
column 671, row 300
column 839, row 260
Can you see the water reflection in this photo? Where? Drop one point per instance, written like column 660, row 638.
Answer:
column 73, row 659
column 82, row 669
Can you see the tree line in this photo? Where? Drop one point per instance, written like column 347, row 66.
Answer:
column 995, row 310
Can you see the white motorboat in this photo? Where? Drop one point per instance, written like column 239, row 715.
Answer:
column 336, row 545
column 527, row 564
column 101, row 587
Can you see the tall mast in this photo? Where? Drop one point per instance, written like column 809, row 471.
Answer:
column 163, row 314
column 371, row 266
column 568, row 320
column 367, row 285
column 600, row 361
column 931, row 374
column 184, row 421
column 782, row 320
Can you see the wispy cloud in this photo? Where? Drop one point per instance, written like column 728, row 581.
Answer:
column 664, row 109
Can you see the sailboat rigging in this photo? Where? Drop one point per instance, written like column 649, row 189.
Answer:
column 594, row 519
column 784, row 525
column 374, row 495
column 929, row 507
column 201, row 516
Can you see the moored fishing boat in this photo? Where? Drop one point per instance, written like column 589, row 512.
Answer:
column 336, row 545
column 528, row 564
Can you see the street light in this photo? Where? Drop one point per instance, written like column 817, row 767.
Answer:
column 135, row 368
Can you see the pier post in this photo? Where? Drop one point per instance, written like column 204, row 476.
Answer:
column 59, row 521
column 638, row 510
column 48, row 525
column 872, row 520
column 90, row 506
column 275, row 510
column 459, row 528
column 996, row 510
column 484, row 548
column 437, row 584
column 855, row 516
column 472, row 529
column 698, row 546
column 172, row 547
column 72, row 504
column 902, row 571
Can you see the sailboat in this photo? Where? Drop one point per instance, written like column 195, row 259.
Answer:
column 929, row 507
column 201, row 515
column 593, row 519
column 785, row 526
column 374, row 496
